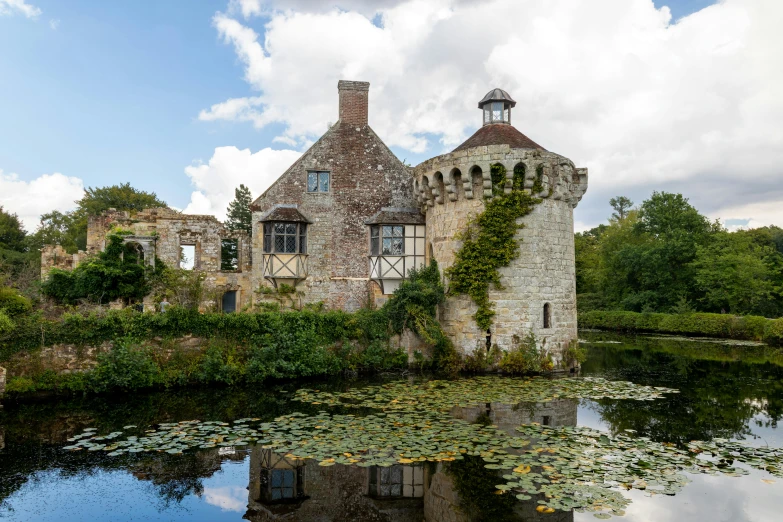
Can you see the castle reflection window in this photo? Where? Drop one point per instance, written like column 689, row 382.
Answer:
column 282, row 484
column 285, row 238
column 396, row 482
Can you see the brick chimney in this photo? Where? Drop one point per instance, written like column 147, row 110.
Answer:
column 353, row 101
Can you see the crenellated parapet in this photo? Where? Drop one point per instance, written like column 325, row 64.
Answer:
column 466, row 174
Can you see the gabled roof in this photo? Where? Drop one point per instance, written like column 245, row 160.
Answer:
column 499, row 134
column 284, row 213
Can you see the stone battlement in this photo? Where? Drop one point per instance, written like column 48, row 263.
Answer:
column 465, row 174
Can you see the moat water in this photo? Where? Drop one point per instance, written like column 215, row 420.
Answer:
column 726, row 392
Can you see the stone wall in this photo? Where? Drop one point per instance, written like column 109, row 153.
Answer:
column 2, row 380
column 55, row 256
column 365, row 176
column 452, row 188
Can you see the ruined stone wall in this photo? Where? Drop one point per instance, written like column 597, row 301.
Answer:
column 170, row 230
column 364, row 177
column 55, row 256
column 452, row 188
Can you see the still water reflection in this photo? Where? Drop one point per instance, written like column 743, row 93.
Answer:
column 726, row 392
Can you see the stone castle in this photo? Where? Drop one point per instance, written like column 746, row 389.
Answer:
column 346, row 223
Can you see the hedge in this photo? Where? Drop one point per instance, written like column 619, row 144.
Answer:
column 33, row 331
column 747, row 327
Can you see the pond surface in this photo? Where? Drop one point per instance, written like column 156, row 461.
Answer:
column 453, row 444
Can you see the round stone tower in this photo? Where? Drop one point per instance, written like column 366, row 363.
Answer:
column 539, row 285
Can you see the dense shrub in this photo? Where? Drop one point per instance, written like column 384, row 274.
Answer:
column 12, row 303
column 124, row 367
column 6, row 325
column 714, row 325
column 525, row 357
column 773, row 332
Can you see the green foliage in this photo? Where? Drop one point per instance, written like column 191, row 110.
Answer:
column 221, row 363
column 712, row 325
column 621, row 206
column 575, row 354
column 418, row 295
column 12, row 235
column 180, row 287
column 116, row 273
column 525, row 357
column 488, row 244
column 667, row 257
column 12, row 303
column 124, row 367
column 773, row 332
column 482, row 360
column 6, row 324
column 239, row 215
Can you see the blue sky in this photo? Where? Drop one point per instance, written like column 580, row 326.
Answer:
column 112, row 91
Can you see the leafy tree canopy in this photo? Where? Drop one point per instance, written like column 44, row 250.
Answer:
column 621, row 206
column 12, row 235
column 69, row 229
column 667, row 257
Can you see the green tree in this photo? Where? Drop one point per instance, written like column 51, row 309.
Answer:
column 12, row 235
column 69, row 229
column 737, row 274
column 239, row 213
column 621, row 206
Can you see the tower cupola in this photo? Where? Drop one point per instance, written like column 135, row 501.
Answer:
column 496, row 106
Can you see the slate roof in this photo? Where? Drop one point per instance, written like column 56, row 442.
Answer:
column 396, row 216
column 284, row 213
column 497, row 95
column 499, row 134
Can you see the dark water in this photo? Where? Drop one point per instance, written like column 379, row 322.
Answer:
column 726, row 392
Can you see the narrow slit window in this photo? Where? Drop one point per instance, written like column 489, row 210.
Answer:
column 547, row 316
column 187, row 257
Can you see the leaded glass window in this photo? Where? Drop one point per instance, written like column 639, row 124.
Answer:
column 387, row 240
column 285, row 238
column 317, row 181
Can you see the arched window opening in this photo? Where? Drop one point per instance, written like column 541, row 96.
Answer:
column 459, row 190
column 498, row 175
column 440, row 187
column 547, row 315
column 519, row 177
column 477, row 178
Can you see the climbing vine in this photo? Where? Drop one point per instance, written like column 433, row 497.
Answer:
column 489, row 241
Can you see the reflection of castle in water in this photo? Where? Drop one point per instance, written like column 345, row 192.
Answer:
column 285, row 489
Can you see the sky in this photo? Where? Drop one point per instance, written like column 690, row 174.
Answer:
column 189, row 99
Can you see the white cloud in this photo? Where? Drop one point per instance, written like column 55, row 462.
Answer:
column 227, row 498
column 30, row 199
column 10, row 7
column 613, row 84
column 54, row 24
column 229, row 167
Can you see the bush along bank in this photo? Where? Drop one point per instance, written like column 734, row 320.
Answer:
column 144, row 350
column 749, row 327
